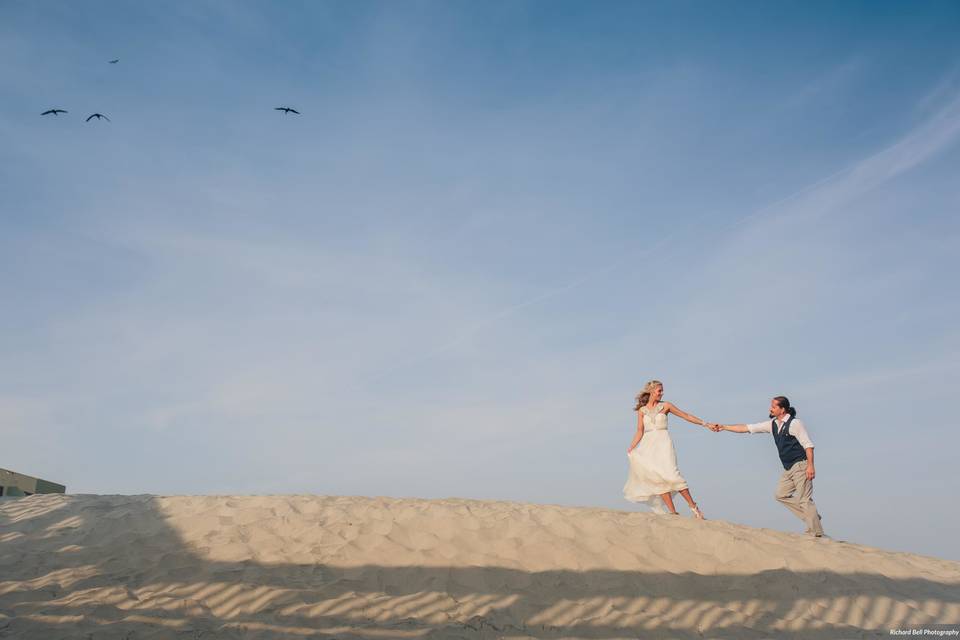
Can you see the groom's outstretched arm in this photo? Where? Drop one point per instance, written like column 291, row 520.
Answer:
column 756, row 427
column 735, row 428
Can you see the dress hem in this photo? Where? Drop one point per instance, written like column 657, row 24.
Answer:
column 655, row 495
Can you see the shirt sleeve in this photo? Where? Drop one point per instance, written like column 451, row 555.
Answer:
column 799, row 431
column 759, row 427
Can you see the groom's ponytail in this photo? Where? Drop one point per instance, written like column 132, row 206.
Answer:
column 784, row 404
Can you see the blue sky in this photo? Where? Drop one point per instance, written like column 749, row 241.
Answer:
column 491, row 224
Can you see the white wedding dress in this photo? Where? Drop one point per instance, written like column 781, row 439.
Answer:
column 653, row 463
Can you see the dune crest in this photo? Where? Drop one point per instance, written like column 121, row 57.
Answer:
column 352, row 567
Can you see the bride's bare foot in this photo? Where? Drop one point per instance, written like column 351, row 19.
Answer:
column 696, row 512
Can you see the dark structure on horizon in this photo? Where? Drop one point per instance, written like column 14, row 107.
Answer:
column 17, row 484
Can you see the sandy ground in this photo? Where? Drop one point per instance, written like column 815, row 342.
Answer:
column 83, row 566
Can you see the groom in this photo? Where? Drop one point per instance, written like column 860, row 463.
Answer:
column 795, row 489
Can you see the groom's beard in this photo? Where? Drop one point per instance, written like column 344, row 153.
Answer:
column 770, row 415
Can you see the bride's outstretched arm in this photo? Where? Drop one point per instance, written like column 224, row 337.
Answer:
column 689, row 417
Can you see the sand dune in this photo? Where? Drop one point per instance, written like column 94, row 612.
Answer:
column 348, row 567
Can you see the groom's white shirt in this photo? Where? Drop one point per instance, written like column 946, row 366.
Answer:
column 797, row 430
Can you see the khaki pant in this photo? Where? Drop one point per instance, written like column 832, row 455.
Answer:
column 796, row 494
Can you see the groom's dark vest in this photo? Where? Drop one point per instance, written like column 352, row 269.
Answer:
column 789, row 448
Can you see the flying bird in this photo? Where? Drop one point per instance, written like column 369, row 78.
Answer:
column 286, row 110
column 55, row 112
column 114, row 61
column 97, row 116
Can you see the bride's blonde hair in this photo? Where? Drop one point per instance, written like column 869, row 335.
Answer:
column 644, row 396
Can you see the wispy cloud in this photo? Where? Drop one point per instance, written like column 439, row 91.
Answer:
column 806, row 204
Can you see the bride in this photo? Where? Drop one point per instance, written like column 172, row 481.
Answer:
column 653, row 460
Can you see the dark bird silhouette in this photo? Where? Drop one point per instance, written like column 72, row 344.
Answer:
column 114, row 61
column 55, row 112
column 97, row 116
column 286, row 110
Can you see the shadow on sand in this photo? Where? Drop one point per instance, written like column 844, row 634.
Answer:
column 177, row 593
